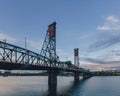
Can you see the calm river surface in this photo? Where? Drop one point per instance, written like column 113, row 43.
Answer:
column 38, row 86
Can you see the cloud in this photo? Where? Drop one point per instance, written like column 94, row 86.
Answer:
column 99, row 61
column 116, row 52
column 110, row 34
column 6, row 37
column 94, row 64
column 111, row 24
column 112, row 19
column 101, row 67
column 104, row 43
column 92, row 60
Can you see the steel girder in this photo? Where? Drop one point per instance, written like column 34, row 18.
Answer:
column 14, row 54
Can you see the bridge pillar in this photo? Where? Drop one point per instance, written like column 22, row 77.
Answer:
column 52, row 82
column 76, row 76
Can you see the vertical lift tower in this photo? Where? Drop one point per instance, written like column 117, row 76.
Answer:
column 76, row 62
column 76, row 57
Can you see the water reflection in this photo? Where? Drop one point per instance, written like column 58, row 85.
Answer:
column 68, row 91
column 52, row 91
column 38, row 86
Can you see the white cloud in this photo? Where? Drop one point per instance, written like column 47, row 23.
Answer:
column 111, row 24
column 6, row 37
column 110, row 34
column 112, row 19
column 104, row 27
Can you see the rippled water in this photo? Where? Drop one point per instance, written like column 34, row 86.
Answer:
column 38, row 86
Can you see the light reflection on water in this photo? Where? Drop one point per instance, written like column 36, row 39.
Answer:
column 23, row 86
column 38, row 86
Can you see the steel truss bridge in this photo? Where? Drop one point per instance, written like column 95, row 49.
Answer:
column 13, row 57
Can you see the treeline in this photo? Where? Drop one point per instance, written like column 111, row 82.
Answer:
column 33, row 74
column 106, row 73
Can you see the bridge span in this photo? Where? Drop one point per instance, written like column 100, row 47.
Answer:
column 13, row 57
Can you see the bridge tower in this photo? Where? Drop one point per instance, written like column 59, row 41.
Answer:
column 76, row 57
column 49, row 50
column 49, row 46
column 76, row 62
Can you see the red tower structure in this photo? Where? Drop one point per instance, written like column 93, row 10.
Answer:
column 76, row 57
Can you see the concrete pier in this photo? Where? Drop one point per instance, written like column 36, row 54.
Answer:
column 76, row 76
column 52, row 78
column 52, row 82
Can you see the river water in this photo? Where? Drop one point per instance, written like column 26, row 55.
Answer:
column 38, row 86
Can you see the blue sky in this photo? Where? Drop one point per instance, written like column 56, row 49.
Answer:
column 93, row 26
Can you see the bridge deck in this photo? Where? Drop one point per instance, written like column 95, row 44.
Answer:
column 15, row 66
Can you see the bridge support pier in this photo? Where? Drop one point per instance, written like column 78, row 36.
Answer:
column 76, row 76
column 52, row 82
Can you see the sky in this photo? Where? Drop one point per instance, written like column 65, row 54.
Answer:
column 93, row 26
